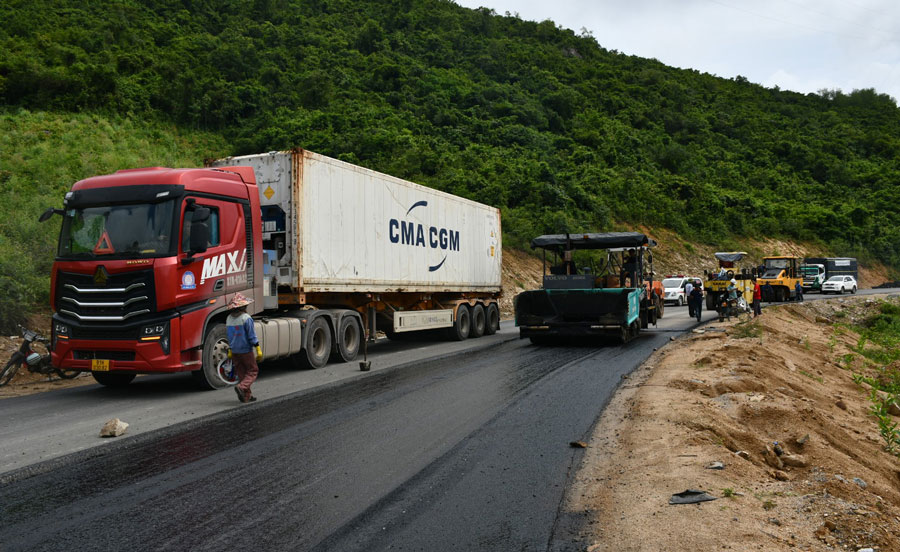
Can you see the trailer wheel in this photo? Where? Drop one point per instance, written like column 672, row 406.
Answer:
column 318, row 344
column 460, row 329
column 491, row 319
column 476, row 327
column 215, row 352
column 113, row 379
column 346, row 340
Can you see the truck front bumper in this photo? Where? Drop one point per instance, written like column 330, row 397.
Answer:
column 150, row 354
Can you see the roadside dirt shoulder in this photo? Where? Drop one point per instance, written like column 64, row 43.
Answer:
column 733, row 394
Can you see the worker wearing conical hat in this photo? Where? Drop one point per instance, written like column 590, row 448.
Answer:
column 245, row 351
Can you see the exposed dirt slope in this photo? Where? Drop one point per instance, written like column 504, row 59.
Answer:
column 520, row 272
column 728, row 395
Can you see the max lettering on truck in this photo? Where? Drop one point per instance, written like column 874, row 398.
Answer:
column 418, row 235
column 232, row 262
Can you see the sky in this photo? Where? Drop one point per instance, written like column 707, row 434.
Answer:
column 799, row 45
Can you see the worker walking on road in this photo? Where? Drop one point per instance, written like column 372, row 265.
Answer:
column 245, row 351
column 688, row 288
column 798, row 290
column 697, row 300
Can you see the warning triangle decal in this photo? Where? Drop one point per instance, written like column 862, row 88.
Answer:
column 104, row 245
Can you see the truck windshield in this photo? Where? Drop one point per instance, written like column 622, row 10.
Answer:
column 119, row 231
column 777, row 263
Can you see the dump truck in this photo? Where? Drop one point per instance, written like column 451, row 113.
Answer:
column 780, row 277
column 717, row 282
column 610, row 293
column 329, row 252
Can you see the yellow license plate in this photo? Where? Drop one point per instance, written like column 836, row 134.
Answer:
column 98, row 365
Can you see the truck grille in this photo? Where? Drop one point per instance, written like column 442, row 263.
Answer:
column 126, row 297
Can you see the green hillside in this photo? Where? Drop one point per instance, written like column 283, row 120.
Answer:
column 557, row 131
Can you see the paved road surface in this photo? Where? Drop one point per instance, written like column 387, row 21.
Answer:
column 456, row 451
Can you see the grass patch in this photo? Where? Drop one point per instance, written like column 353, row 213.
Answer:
column 41, row 155
column 745, row 330
column 812, row 376
column 879, row 344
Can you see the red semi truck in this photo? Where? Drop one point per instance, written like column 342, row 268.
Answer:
column 330, row 252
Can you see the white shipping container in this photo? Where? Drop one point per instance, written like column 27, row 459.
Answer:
column 351, row 229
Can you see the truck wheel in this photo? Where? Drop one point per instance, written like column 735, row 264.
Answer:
column 460, row 329
column 318, row 344
column 476, row 327
column 113, row 379
column 491, row 319
column 215, row 352
column 346, row 340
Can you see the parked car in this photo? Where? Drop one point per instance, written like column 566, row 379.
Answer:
column 673, row 289
column 840, row 284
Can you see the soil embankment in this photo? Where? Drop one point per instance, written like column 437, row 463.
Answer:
column 803, row 466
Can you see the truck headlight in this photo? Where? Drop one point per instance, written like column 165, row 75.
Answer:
column 156, row 332
column 60, row 331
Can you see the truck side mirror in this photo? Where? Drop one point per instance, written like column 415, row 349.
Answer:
column 45, row 216
column 199, row 235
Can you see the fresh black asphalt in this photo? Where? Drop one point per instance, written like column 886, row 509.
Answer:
column 465, row 452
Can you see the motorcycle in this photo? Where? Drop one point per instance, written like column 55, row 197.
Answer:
column 34, row 353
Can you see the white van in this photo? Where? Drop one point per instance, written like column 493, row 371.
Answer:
column 673, row 289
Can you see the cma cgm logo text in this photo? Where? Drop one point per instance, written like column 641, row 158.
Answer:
column 418, row 235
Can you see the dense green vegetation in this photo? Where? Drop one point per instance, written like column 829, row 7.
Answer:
column 557, row 131
column 41, row 155
column 879, row 345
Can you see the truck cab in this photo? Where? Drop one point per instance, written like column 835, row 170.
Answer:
column 813, row 276
column 146, row 261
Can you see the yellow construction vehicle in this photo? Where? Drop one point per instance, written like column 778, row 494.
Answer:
column 717, row 282
column 780, row 278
